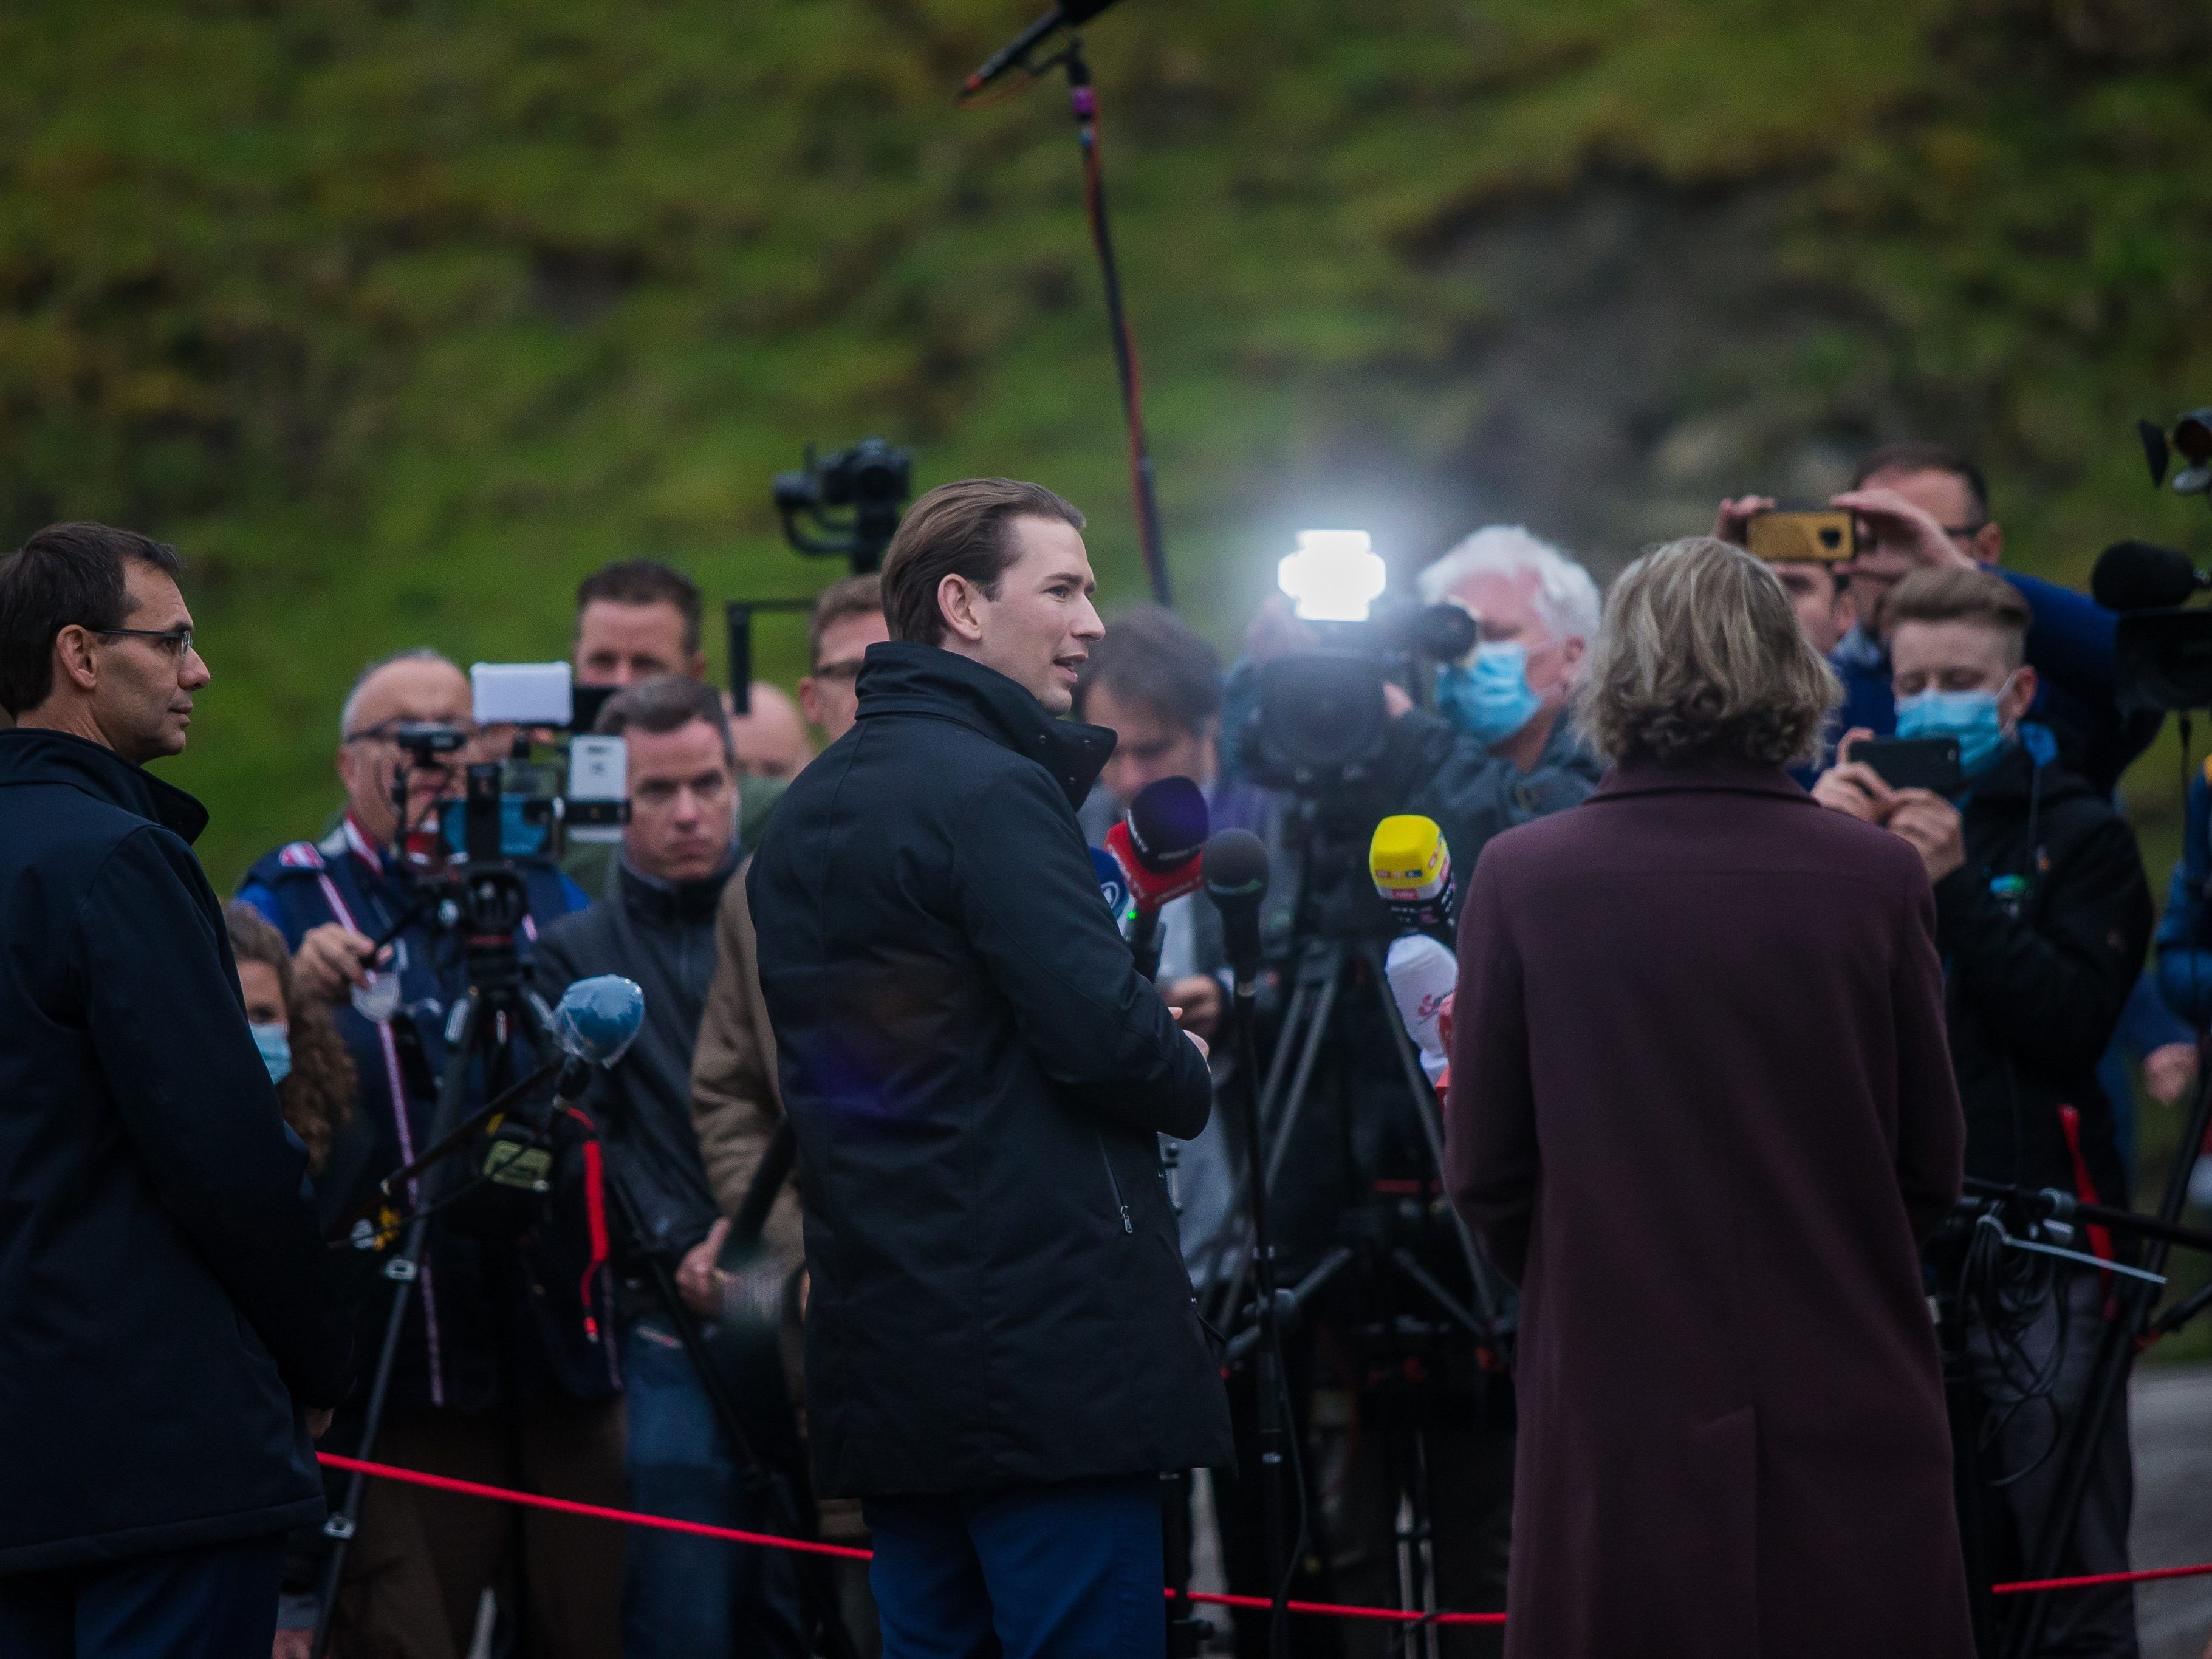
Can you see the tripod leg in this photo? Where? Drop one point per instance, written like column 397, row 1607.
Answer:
column 2116, row 1354
column 403, row 1270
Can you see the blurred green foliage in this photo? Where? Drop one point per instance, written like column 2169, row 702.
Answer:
column 400, row 317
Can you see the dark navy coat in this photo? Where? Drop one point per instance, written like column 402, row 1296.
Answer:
column 165, row 1295
column 979, row 1080
column 1702, row 1109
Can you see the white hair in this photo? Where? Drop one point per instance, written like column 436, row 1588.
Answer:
column 1567, row 598
column 418, row 654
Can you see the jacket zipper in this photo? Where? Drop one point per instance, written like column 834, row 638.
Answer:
column 1114, row 1187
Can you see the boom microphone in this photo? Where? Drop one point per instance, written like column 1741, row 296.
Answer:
column 1236, row 873
column 1067, row 15
column 2143, row 576
column 1410, row 864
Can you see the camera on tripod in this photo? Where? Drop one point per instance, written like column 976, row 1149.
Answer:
column 1322, row 722
column 865, row 486
column 2162, row 650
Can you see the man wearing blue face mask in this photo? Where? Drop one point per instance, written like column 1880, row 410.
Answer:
column 1536, row 610
column 2042, row 917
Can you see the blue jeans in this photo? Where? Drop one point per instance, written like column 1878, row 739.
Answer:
column 686, row 1597
column 214, row 1603
column 1069, row 1572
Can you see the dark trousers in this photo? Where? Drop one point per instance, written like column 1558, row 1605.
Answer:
column 423, row 1558
column 1068, row 1571
column 214, row 1603
column 681, row 1595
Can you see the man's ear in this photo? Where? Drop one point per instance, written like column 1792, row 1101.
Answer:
column 2021, row 698
column 1988, row 542
column 960, row 602
column 698, row 666
column 1845, row 609
column 75, row 659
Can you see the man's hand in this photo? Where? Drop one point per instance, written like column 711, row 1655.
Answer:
column 1397, row 703
column 1933, row 827
column 331, row 960
column 2169, row 1072
column 1853, row 788
column 1196, row 1041
column 1906, row 535
column 293, row 1645
column 1733, row 522
column 698, row 1280
column 318, row 1423
column 1196, row 1002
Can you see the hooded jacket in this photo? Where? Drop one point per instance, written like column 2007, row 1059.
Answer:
column 978, row 1077
column 165, row 1294
column 2043, row 931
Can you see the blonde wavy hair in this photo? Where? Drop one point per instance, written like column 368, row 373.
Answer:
column 1700, row 660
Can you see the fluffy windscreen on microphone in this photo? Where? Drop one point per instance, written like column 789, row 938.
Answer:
column 1168, row 824
column 1410, row 864
column 2142, row 576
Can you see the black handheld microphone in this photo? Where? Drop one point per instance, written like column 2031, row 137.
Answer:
column 2143, row 576
column 1067, row 15
column 1236, row 870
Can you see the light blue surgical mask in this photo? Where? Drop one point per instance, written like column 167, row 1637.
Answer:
column 276, row 1045
column 1970, row 716
column 1489, row 700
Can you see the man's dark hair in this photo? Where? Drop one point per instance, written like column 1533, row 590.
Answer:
column 644, row 581
column 667, row 702
column 855, row 596
column 1916, row 457
column 957, row 530
column 1152, row 656
column 66, row 574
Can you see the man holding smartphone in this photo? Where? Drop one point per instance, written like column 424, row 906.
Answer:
column 2042, row 917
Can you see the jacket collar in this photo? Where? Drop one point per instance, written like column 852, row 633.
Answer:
column 651, row 897
column 37, row 756
column 1647, row 777
column 902, row 677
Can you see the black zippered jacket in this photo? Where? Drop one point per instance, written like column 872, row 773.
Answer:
column 165, row 1295
column 2043, row 931
column 662, row 935
column 978, row 1077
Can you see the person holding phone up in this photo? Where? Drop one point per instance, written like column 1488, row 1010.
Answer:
column 2042, row 916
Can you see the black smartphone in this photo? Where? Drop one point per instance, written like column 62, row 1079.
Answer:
column 1914, row 762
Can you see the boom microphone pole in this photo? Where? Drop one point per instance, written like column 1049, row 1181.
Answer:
column 1083, row 103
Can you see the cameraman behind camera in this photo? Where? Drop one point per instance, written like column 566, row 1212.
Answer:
column 1501, row 749
column 499, row 1376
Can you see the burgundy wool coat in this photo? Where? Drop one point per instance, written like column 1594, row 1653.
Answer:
column 1702, row 1109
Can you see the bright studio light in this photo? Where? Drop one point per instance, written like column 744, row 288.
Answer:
column 1334, row 576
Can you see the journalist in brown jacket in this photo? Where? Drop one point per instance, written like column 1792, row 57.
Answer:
column 1702, row 1109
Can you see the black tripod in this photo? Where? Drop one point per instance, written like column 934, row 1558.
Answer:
column 492, row 901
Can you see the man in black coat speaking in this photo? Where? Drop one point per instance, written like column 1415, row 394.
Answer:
column 1002, row 1351
column 168, row 1326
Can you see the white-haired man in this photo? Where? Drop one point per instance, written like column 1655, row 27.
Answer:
column 1537, row 611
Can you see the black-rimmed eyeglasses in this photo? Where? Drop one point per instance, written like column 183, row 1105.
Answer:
column 177, row 642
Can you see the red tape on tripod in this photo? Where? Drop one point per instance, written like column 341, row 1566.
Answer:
column 1256, row 1603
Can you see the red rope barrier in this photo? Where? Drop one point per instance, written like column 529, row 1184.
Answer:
column 1256, row 1603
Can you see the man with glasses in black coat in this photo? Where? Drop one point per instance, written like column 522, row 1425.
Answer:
column 169, row 1335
